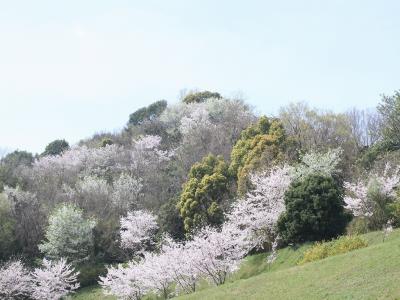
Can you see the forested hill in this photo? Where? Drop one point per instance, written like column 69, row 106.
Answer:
column 189, row 190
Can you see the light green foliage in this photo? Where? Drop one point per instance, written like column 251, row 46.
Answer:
column 202, row 199
column 260, row 145
column 68, row 235
column 56, row 147
column 198, row 97
column 148, row 113
column 321, row 250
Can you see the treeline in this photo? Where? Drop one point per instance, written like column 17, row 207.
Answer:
column 187, row 163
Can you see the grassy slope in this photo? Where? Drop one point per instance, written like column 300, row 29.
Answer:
column 371, row 272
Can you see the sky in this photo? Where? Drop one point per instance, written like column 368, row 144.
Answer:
column 71, row 68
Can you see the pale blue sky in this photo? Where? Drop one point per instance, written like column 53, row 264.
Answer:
column 71, row 68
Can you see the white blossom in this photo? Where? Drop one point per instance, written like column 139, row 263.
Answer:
column 125, row 282
column 15, row 281
column 137, row 230
column 325, row 164
column 54, row 280
column 215, row 254
column 357, row 198
column 198, row 119
column 126, row 191
column 257, row 214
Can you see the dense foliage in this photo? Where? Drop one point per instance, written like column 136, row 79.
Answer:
column 198, row 97
column 203, row 195
column 341, row 245
column 314, row 211
column 147, row 113
column 56, row 147
column 68, row 235
column 261, row 145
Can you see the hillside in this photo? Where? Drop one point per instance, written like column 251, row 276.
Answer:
column 369, row 273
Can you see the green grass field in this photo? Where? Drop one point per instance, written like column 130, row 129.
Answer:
column 368, row 273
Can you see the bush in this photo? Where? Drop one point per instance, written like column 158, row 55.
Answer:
column 358, row 226
column 314, row 211
column 89, row 274
column 342, row 245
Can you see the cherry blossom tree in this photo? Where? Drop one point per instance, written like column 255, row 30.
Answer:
column 215, row 254
column 126, row 192
column 182, row 265
column 15, row 281
column 54, row 280
column 257, row 214
column 359, row 199
column 137, row 230
column 322, row 163
column 159, row 273
column 125, row 282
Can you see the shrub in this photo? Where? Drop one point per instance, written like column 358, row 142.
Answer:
column 341, row 245
column 358, row 226
column 314, row 211
column 89, row 274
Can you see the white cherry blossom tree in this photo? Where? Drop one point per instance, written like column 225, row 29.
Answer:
column 15, row 281
column 137, row 230
column 55, row 280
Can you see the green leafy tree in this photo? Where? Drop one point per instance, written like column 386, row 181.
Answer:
column 170, row 220
column 10, row 165
column 148, row 113
column 198, row 97
column 8, row 240
column 389, row 110
column 314, row 211
column 260, row 145
column 56, row 147
column 205, row 193
column 68, row 235
column 106, row 142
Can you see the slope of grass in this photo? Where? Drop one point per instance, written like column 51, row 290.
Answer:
column 369, row 273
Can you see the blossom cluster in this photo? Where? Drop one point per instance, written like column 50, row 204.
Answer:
column 54, row 280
